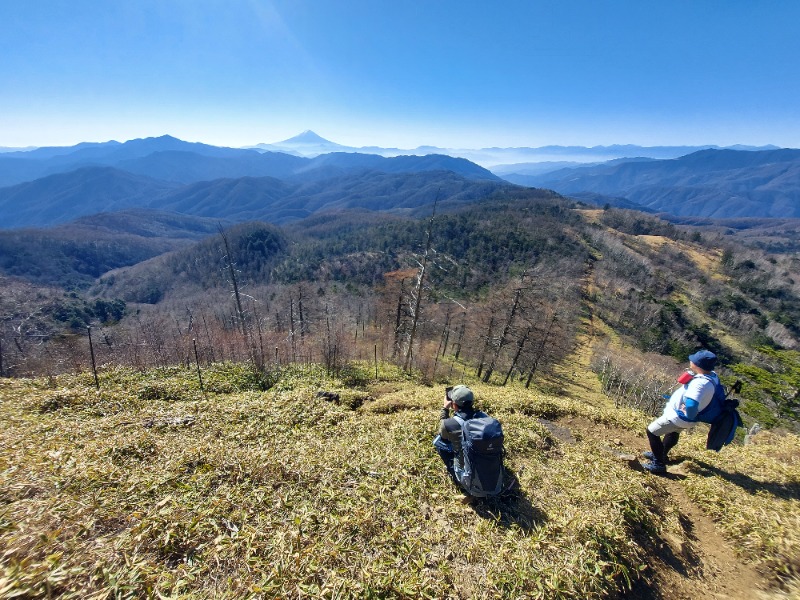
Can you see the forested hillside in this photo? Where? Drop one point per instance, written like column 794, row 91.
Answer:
column 507, row 284
column 196, row 371
column 75, row 254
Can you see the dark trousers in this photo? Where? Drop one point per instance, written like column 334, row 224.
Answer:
column 445, row 452
column 661, row 448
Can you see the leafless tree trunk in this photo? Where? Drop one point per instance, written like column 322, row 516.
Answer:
column 460, row 334
column 300, row 313
column 291, row 329
column 520, row 345
column 541, row 351
column 232, row 272
column 446, row 331
column 418, row 291
column 486, row 344
column 398, row 320
column 504, row 336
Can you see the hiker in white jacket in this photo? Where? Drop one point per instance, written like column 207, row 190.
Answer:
column 680, row 413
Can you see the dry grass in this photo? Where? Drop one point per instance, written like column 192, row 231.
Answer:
column 753, row 493
column 149, row 487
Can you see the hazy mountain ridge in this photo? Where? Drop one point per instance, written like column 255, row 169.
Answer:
column 168, row 173
column 48, row 161
column 172, row 159
column 66, row 196
column 285, row 188
column 710, row 183
column 309, row 143
column 189, row 167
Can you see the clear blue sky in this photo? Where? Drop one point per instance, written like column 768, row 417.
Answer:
column 457, row 73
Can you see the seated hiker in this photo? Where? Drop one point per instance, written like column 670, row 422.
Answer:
column 471, row 444
column 682, row 409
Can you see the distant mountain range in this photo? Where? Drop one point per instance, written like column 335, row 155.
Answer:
column 169, row 174
column 310, row 144
column 709, row 183
column 48, row 186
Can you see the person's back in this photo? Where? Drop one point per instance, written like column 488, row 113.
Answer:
column 471, row 444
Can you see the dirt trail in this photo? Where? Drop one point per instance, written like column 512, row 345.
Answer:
column 703, row 565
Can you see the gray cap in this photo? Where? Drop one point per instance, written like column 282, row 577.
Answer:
column 461, row 395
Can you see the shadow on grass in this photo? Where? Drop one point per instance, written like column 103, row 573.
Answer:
column 661, row 557
column 509, row 509
column 636, row 465
column 785, row 491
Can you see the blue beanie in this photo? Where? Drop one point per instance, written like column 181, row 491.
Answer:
column 705, row 359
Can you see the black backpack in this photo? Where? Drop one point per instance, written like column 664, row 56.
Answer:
column 723, row 429
column 723, row 417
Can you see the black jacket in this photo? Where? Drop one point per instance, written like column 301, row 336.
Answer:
column 450, row 430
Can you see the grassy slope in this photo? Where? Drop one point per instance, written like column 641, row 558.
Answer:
column 279, row 494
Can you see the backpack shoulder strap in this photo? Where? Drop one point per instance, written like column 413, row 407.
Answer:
column 715, row 406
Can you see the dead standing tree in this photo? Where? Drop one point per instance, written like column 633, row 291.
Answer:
column 240, row 314
column 232, row 272
column 504, row 336
column 394, row 307
column 416, row 293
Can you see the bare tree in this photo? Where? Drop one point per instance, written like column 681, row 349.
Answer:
column 418, row 290
column 234, row 282
column 503, row 340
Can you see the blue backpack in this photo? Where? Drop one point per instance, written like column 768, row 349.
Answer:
column 722, row 415
column 482, row 447
column 714, row 409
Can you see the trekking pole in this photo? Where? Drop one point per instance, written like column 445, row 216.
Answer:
column 735, row 389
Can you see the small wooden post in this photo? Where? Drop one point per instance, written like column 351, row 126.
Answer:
column 94, row 366
column 197, row 362
column 376, row 362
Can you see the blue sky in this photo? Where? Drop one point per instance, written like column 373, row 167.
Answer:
column 457, row 73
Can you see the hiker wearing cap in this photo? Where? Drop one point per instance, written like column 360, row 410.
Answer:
column 680, row 414
column 470, row 443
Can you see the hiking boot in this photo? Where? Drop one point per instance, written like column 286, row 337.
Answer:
column 655, row 467
column 652, row 457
